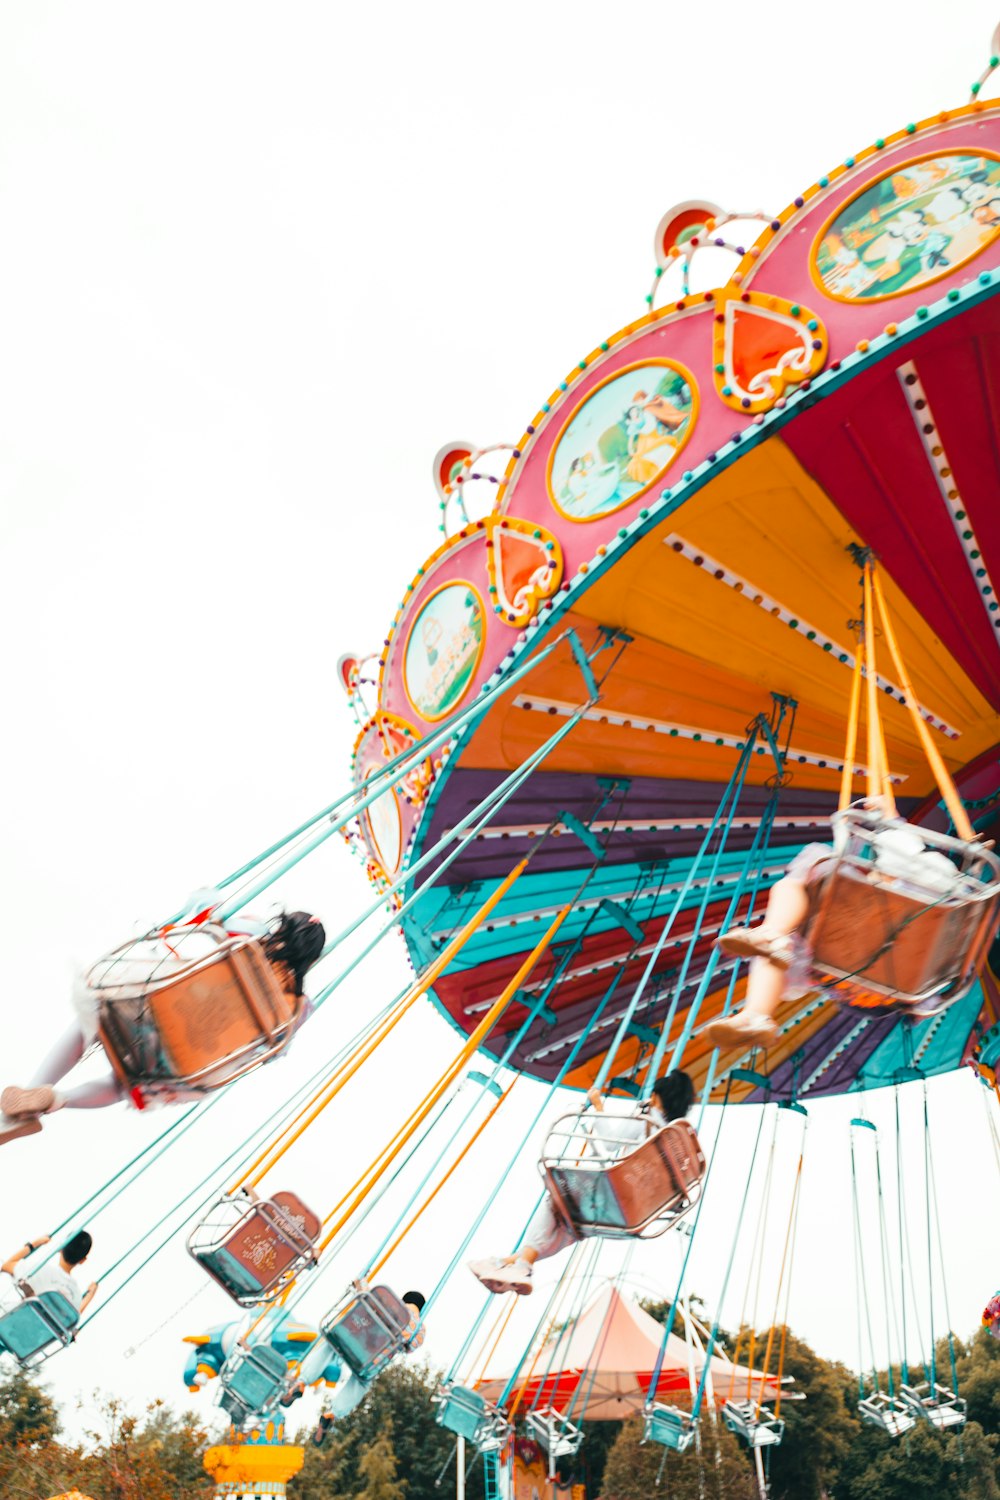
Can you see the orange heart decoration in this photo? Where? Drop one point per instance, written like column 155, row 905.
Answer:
column 762, row 345
column 525, row 566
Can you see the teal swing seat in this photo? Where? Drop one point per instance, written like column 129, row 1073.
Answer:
column 554, row 1433
column 670, row 1426
column 252, row 1381
column 754, row 1424
column 367, row 1329
column 38, row 1327
column 890, row 1413
column 935, row 1403
column 469, row 1415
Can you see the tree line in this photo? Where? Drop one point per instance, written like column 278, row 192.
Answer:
column 392, row 1449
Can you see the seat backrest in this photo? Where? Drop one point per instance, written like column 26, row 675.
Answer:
column 890, row 936
column 38, row 1321
column 621, row 1197
column 225, row 1008
column 62, row 1312
column 264, row 1244
column 230, row 1005
column 462, row 1411
column 658, row 1175
column 369, row 1330
column 258, row 1376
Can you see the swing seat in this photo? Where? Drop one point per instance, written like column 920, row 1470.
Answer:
column 39, row 1326
column 201, row 1026
column 254, row 1247
column 252, row 1381
column 935, row 1403
column 887, row 940
column 670, row 1426
column 555, row 1434
column 367, row 1329
column 890, row 1413
column 631, row 1191
column 753, row 1423
column 469, row 1415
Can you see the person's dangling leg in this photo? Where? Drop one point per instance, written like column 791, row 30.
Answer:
column 753, row 1026
column 62, row 1059
column 41, row 1096
column 349, row 1394
column 545, row 1236
column 787, row 909
column 98, row 1094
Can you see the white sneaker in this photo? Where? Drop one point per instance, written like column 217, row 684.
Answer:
column 747, row 1028
column 18, row 1103
column 497, row 1277
column 757, row 942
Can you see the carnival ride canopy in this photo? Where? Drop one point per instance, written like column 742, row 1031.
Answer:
column 602, row 1370
column 676, row 541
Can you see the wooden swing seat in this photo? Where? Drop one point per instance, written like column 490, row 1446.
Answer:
column 886, row 940
column 642, row 1191
column 254, row 1247
column 201, row 1026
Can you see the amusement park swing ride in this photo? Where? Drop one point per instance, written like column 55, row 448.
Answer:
column 736, row 581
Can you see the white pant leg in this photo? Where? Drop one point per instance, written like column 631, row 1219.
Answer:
column 97, row 1094
column 315, row 1360
column 349, row 1394
column 62, row 1058
column 545, row 1234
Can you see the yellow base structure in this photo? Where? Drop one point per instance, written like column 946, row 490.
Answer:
column 256, row 1463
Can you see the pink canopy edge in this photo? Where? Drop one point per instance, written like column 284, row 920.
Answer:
column 605, row 1367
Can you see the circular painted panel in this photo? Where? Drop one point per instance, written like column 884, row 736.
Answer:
column 621, row 439
column 919, row 222
column 443, row 649
column 385, row 829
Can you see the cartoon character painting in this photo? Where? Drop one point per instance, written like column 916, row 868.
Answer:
column 621, row 439
column 910, row 227
column 443, row 649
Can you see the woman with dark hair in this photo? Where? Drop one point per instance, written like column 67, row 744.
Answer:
column 547, row 1234
column 290, row 946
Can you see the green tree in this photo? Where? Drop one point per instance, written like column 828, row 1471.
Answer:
column 400, row 1397
column 598, row 1440
column 978, row 1367
column 820, row 1430
column 377, row 1469
column 715, row 1468
column 923, row 1465
column 27, row 1412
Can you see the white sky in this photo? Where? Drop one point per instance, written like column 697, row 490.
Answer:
column 258, row 262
